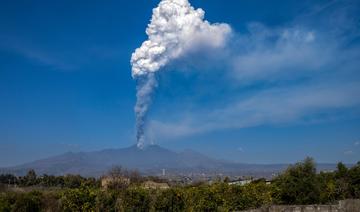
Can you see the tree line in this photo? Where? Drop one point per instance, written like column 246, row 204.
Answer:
column 31, row 179
column 298, row 184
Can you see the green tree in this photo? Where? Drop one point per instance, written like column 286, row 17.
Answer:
column 298, row 184
column 6, row 201
column 30, row 178
column 201, row 198
column 327, row 187
column 50, row 201
column 342, row 182
column 170, row 200
column 73, row 181
column 249, row 196
column 8, row 179
column 106, row 201
column 79, row 199
column 136, row 199
column 354, row 181
column 28, row 202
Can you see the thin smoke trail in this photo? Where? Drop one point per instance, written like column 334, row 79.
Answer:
column 145, row 88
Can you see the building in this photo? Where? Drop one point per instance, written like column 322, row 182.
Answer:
column 108, row 181
column 155, row 185
column 240, row 182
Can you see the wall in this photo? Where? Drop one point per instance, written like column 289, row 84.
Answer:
column 342, row 206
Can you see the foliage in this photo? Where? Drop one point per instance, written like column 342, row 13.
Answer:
column 31, row 179
column 135, row 199
column 327, row 184
column 107, row 201
column 8, row 179
column 6, row 201
column 354, row 181
column 82, row 199
column 252, row 195
column 299, row 184
column 28, row 202
column 170, row 200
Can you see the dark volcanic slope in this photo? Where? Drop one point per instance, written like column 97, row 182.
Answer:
column 150, row 160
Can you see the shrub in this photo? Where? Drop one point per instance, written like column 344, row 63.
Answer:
column 6, row 201
column 299, row 184
column 28, row 202
column 82, row 199
column 135, row 199
column 170, row 200
column 107, row 201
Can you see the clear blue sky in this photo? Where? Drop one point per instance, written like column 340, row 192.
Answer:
column 286, row 86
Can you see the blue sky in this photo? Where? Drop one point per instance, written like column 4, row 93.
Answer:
column 285, row 86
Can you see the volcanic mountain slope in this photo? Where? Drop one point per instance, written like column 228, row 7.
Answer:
column 150, row 160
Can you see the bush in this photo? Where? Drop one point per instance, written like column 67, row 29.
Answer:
column 201, row 198
column 28, row 202
column 135, row 199
column 354, row 178
column 299, row 184
column 6, row 201
column 78, row 199
column 107, row 201
column 249, row 196
column 51, row 202
column 170, row 200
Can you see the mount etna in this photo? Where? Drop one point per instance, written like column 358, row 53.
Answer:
column 150, row 160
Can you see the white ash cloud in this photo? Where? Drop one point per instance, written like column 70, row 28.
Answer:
column 176, row 28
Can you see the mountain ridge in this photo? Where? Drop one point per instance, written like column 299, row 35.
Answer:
column 149, row 161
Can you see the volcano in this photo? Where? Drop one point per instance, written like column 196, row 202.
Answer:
column 149, row 160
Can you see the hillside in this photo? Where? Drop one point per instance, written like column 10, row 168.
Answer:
column 150, row 160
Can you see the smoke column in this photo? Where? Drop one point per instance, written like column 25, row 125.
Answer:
column 145, row 87
column 175, row 29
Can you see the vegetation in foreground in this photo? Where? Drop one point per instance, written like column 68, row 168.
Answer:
column 299, row 184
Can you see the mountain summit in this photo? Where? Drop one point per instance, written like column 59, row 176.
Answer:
column 151, row 159
column 148, row 160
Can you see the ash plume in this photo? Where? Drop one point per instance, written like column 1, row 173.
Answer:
column 175, row 29
column 145, row 87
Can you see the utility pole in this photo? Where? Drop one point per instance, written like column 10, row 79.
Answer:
column 15, row 181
